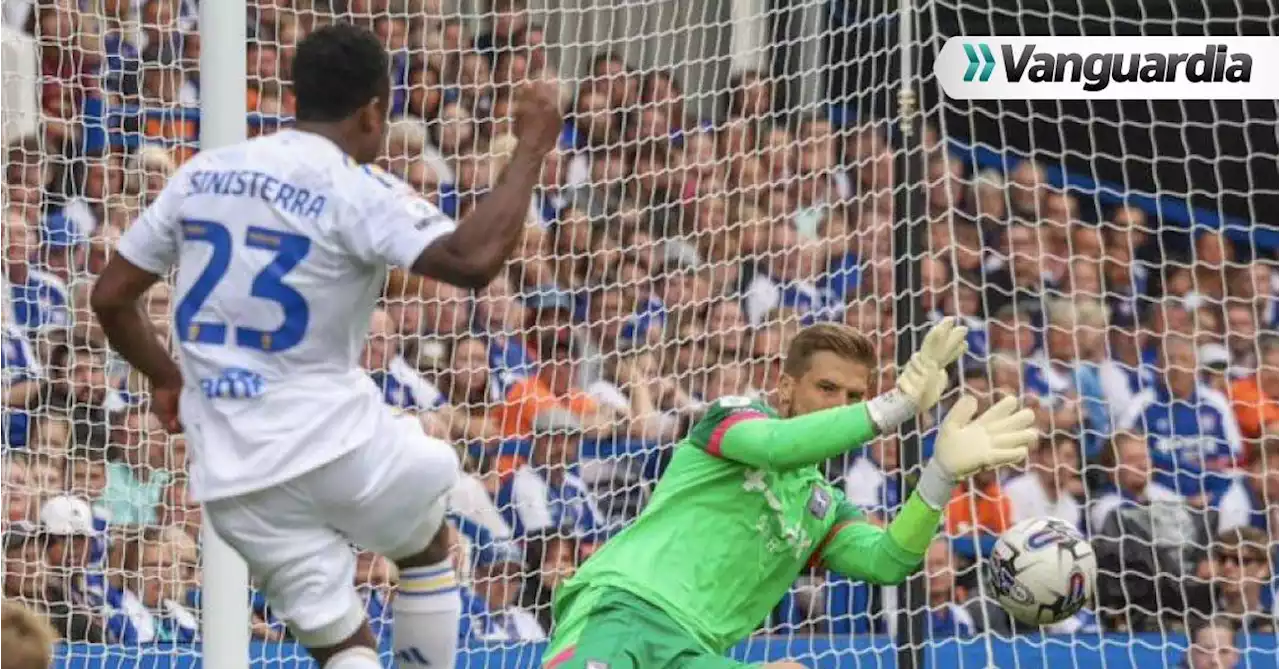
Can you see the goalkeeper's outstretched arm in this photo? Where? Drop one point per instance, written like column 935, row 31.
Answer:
column 788, row 443
column 965, row 446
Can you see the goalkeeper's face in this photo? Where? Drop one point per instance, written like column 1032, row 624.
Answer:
column 827, row 381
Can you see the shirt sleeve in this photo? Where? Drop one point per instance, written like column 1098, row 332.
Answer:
column 882, row 556
column 742, row 430
column 391, row 224
column 153, row 241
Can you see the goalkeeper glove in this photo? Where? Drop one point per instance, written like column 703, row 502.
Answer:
column 921, row 382
column 966, row 445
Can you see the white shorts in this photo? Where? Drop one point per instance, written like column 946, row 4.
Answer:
column 387, row 496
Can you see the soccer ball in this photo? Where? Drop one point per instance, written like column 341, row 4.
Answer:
column 1042, row 571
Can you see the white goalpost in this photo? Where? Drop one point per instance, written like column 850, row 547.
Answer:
column 225, row 611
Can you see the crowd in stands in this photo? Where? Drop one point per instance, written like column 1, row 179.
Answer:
column 667, row 259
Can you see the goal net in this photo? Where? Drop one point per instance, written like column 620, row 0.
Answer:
column 729, row 172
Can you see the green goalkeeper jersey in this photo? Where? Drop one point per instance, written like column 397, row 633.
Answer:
column 739, row 513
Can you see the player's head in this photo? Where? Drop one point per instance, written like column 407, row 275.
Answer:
column 27, row 637
column 826, row 365
column 341, row 79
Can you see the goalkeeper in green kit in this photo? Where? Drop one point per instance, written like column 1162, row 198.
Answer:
column 742, row 509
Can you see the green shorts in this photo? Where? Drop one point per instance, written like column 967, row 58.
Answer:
column 622, row 631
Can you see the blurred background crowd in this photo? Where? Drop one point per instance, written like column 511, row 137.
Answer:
column 668, row 258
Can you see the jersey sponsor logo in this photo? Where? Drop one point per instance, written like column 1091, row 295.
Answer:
column 819, row 502
column 734, row 402
column 597, row 664
column 235, row 384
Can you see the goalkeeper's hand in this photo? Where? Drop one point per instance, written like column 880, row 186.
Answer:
column 921, row 383
column 968, row 445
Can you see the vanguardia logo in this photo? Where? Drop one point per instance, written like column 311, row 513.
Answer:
column 987, row 62
column 1097, row 71
column 1108, row 67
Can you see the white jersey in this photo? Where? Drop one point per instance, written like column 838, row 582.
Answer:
column 282, row 245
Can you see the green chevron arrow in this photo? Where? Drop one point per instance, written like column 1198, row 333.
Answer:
column 973, row 62
column 987, row 60
column 990, row 60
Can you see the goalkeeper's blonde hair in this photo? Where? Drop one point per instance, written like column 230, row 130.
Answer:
column 836, row 338
column 26, row 636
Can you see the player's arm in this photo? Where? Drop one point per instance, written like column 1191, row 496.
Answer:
column 881, row 555
column 815, row 437
column 147, row 250
column 965, row 446
column 473, row 254
column 390, row 224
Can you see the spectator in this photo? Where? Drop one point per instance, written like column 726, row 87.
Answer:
column 1052, row 486
column 553, row 559
column 1068, row 375
column 952, row 613
column 499, row 570
column 1213, row 646
column 27, row 637
column 1024, row 277
column 979, row 507
column 466, row 384
column 750, row 96
column 1239, row 567
column 873, row 482
column 67, row 533
column 547, row 492
column 1251, row 500
column 151, row 590
column 141, row 467
column 400, row 383
column 766, row 347
column 1148, row 545
column 1215, row 361
column 1256, row 398
column 1192, row 431
column 39, row 300
column 553, row 385
column 86, row 477
column 24, row 387
column 1126, row 463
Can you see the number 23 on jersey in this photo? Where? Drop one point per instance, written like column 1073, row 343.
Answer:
column 267, row 285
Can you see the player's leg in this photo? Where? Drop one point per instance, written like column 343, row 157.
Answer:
column 304, row 568
column 427, row 606
column 400, row 515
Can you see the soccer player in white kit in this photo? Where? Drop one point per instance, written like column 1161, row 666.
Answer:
column 282, row 245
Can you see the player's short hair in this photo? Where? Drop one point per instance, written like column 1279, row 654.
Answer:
column 337, row 70
column 26, row 636
column 836, row 338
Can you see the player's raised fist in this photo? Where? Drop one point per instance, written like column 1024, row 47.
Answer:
column 539, row 117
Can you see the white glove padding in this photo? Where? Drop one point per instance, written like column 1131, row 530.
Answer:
column 921, row 383
column 966, row 445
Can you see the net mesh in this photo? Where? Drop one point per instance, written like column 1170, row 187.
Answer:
column 726, row 176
